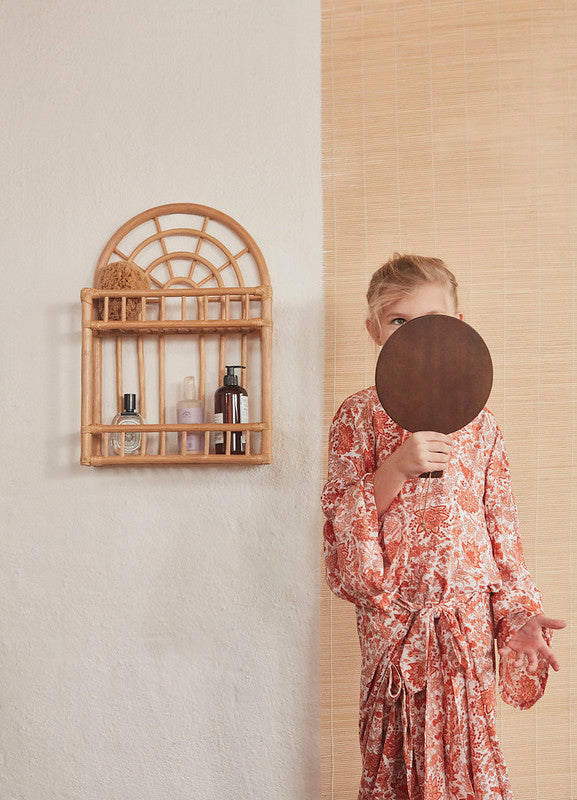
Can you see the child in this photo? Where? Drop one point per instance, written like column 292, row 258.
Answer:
column 434, row 578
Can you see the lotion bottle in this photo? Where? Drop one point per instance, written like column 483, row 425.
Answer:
column 128, row 416
column 231, row 406
column 189, row 411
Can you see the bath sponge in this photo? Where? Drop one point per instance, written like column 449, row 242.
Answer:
column 121, row 275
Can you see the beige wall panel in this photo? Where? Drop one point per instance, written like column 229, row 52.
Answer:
column 448, row 129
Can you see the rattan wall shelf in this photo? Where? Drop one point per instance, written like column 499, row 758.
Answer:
column 209, row 305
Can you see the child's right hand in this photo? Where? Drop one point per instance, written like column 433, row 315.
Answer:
column 423, row 451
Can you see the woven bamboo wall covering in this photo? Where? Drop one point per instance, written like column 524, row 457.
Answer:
column 449, row 130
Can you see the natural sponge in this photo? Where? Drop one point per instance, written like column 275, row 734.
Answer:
column 121, row 275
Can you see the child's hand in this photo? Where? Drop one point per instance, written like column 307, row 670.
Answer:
column 530, row 642
column 424, row 451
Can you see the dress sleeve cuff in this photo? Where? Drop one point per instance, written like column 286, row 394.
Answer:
column 518, row 687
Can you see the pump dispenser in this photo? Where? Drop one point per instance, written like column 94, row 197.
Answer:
column 231, row 406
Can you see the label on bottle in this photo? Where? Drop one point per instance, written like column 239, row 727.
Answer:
column 132, row 441
column 219, row 437
column 243, row 408
column 243, row 417
column 191, row 416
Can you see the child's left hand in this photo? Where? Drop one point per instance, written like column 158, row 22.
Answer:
column 529, row 642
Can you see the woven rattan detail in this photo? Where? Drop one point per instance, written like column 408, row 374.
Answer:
column 210, row 285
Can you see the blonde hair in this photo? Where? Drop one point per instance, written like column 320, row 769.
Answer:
column 403, row 273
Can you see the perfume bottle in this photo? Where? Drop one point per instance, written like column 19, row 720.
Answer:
column 129, row 416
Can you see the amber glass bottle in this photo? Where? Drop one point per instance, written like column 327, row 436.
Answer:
column 231, row 406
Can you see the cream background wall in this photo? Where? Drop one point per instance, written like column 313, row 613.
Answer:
column 159, row 627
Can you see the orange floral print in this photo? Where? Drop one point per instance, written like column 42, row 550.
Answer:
column 434, row 581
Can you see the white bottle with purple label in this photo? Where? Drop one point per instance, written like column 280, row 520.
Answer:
column 190, row 411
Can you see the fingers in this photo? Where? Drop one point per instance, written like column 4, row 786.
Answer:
column 554, row 624
column 440, row 442
column 432, row 448
column 530, row 657
column 532, row 662
column 424, row 451
column 550, row 658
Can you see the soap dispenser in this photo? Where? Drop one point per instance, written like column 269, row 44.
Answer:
column 231, row 406
column 190, row 410
column 128, row 416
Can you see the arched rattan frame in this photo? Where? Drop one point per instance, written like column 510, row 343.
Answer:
column 199, row 235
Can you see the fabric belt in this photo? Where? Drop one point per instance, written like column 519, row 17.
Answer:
column 431, row 628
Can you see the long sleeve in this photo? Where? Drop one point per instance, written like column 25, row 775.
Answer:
column 354, row 558
column 518, row 599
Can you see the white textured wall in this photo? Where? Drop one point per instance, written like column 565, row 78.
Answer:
column 158, row 627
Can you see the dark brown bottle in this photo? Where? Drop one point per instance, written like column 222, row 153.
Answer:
column 231, row 406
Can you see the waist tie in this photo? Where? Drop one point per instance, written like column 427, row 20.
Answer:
column 434, row 640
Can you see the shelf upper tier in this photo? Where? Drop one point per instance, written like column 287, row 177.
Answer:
column 155, row 301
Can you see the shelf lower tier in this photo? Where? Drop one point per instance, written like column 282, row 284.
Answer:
column 96, row 449
column 174, row 459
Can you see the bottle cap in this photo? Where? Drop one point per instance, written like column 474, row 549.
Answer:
column 230, row 379
column 130, row 403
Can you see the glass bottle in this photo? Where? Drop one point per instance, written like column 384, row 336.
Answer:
column 231, row 406
column 129, row 416
column 190, row 410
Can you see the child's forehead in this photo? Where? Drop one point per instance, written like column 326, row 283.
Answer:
column 433, row 293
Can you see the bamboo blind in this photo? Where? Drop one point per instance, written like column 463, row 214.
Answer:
column 448, row 130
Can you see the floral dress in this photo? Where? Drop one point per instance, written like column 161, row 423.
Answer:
column 434, row 581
